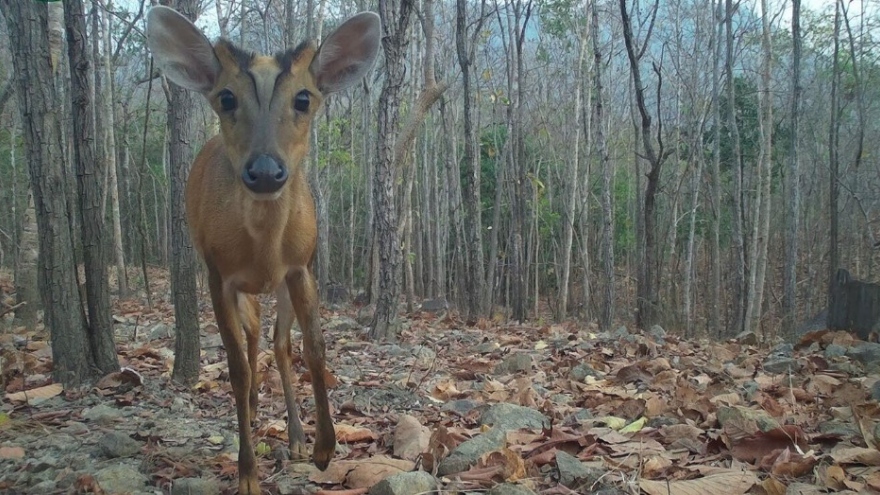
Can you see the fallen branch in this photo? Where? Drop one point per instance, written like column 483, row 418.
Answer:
column 10, row 309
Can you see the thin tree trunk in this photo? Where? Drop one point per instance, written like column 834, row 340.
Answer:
column 833, row 157
column 792, row 183
column 739, row 280
column 715, row 246
column 37, row 100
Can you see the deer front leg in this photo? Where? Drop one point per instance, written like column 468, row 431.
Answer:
column 224, row 300
column 249, row 313
column 283, row 351
column 304, row 297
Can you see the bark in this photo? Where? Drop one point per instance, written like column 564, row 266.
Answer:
column 396, row 18
column 109, row 142
column 792, row 183
column 715, row 246
column 37, row 101
column 607, row 313
column 26, row 263
column 739, row 268
column 571, row 189
column 183, row 133
column 475, row 282
column 89, row 184
column 833, row 157
column 647, row 304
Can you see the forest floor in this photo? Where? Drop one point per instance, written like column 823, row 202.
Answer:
column 498, row 408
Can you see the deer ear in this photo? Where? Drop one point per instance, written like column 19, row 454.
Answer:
column 183, row 53
column 348, row 53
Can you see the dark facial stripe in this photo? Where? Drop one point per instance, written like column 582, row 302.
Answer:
column 242, row 57
column 287, row 58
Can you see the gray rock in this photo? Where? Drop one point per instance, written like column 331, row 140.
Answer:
column 435, row 305
column 574, row 474
column 875, row 391
column 121, row 478
column 425, row 356
column 780, row 364
column 411, row 483
column 512, row 417
column 784, row 349
column 47, row 486
column 843, row 429
column 518, row 361
column 834, row 351
column 341, row 324
column 867, row 353
column 657, row 333
column 579, row 417
column 747, row 338
column 466, row 454
column 461, row 406
column 510, row 489
column 195, row 486
column 620, row 333
column 485, row 348
column 580, row 372
column 212, row 341
column 161, row 331
column 815, row 323
column 118, row 444
column 102, row 413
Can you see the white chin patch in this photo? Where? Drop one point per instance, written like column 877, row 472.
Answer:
column 265, row 196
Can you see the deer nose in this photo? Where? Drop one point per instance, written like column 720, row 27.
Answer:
column 264, row 174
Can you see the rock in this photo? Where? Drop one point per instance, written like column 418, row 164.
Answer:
column 341, row 324
column 47, row 486
column 485, row 348
column 410, row 438
column 784, row 349
column 195, row 486
column 780, row 364
column 747, row 338
column 425, row 356
column 469, row 452
column 580, row 372
column 102, row 413
column 867, row 353
column 161, row 331
column 741, row 415
column 574, row 474
column 657, row 333
column 662, row 421
column 434, row 305
column 513, row 417
column 518, row 361
column 844, row 429
column 875, row 391
column 579, row 417
column 461, row 406
column 411, row 483
column 121, row 478
column 620, row 333
column 510, row 489
column 212, row 341
column 815, row 323
column 117, row 444
column 834, row 351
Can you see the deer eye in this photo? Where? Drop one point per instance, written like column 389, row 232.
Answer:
column 228, row 102
column 301, row 101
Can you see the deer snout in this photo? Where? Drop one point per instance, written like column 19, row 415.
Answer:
column 264, row 174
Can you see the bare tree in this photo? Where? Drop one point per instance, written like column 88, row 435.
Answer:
column 739, row 280
column 792, row 183
column 396, row 18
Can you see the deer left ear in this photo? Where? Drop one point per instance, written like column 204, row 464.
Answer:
column 348, row 53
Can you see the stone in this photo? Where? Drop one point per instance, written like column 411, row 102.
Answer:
column 195, row 486
column 834, row 351
column 510, row 489
column 341, row 324
column 121, row 478
column 518, row 361
column 580, row 372
column 574, row 474
column 118, row 444
column 410, row 483
column 867, row 353
column 161, row 331
column 513, row 417
column 469, row 452
column 657, row 333
column 747, row 338
column 102, row 413
column 780, row 364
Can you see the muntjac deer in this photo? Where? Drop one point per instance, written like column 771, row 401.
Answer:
column 250, row 211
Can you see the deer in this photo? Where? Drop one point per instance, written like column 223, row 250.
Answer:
column 250, row 211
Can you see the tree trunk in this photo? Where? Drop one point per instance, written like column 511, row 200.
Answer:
column 89, row 184
column 475, row 282
column 607, row 313
column 792, row 183
column 26, row 263
column 739, row 268
column 396, row 16
column 27, row 22
column 647, row 306
column 183, row 133
column 715, row 300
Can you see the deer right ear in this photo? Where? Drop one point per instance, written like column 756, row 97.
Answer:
column 183, row 53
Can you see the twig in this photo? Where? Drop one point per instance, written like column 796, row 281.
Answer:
column 10, row 309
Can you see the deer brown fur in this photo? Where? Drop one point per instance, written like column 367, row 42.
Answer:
column 248, row 204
